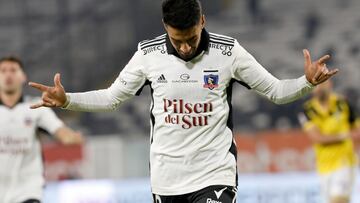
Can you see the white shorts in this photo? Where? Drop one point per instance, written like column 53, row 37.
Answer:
column 338, row 183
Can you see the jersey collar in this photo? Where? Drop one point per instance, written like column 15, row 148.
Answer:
column 203, row 46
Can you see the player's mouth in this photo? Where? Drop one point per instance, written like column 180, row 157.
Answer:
column 187, row 55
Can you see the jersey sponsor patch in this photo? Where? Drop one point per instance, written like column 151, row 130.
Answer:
column 185, row 79
column 160, row 46
column 222, row 43
column 157, row 44
column 187, row 114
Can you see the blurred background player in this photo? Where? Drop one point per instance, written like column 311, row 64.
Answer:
column 21, row 171
column 330, row 123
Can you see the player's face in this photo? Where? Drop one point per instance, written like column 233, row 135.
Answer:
column 11, row 77
column 186, row 41
column 323, row 90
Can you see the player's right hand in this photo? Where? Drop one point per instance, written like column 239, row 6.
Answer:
column 316, row 72
column 51, row 96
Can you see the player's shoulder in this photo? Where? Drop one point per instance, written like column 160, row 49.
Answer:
column 154, row 45
column 30, row 99
column 309, row 104
column 221, row 39
column 341, row 100
column 338, row 97
column 223, row 43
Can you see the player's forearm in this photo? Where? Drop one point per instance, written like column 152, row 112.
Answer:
column 68, row 136
column 93, row 101
column 323, row 139
column 285, row 91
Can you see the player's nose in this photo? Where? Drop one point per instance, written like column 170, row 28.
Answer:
column 185, row 48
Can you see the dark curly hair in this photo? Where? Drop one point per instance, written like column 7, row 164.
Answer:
column 14, row 59
column 181, row 14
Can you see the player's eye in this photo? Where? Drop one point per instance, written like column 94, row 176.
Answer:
column 192, row 40
column 176, row 41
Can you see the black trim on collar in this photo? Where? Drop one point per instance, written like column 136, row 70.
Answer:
column 20, row 100
column 203, row 46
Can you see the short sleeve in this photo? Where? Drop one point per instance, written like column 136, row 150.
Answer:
column 48, row 120
column 305, row 119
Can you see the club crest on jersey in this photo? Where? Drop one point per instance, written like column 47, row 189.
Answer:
column 28, row 122
column 211, row 79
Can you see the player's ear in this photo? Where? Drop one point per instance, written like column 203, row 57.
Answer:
column 203, row 21
column 23, row 77
column 165, row 26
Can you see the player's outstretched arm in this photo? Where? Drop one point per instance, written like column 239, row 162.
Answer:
column 125, row 86
column 316, row 72
column 316, row 137
column 68, row 136
column 52, row 96
column 249, row 71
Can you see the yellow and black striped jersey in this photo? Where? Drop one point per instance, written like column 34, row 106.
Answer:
column 338, row 118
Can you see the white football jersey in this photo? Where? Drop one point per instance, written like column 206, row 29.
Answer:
column 21, row 171
column 192, row 143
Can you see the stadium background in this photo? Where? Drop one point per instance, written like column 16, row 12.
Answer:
column 89, row 41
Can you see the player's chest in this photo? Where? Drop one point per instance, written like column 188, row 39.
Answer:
column 17, row 121
column 183, row 81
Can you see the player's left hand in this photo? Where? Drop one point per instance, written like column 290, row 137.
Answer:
column 316, row 72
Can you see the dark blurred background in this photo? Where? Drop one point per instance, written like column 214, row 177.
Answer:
column 90, row 41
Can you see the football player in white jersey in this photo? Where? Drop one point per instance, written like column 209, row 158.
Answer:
column 190, row 72
column 21, row 171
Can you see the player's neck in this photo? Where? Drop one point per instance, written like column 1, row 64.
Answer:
column 10, row 99
column 324, row 102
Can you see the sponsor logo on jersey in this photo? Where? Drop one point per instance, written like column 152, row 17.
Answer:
column 225, row 49
column 160, row 48
column 184, row 78
column 209, row 200
column 28, row 122
column 14, row 145
column 211, row 79
column 222, row 43
column 162, row 79
column 187, row 114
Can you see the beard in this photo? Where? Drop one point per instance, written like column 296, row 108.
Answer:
column 187, row 56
